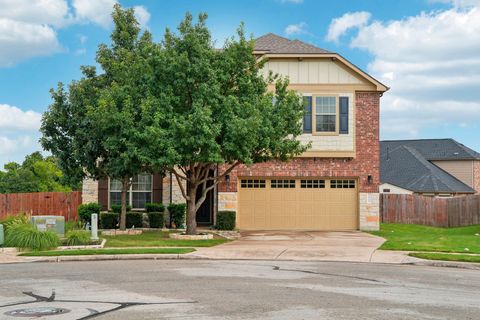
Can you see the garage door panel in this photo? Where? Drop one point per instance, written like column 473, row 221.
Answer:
column 315, row 204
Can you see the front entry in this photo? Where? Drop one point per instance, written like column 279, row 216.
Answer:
column 205, row 212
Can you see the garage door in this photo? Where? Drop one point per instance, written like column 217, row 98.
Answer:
column 301, row 204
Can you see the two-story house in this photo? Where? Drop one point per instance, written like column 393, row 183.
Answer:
column 332, row 186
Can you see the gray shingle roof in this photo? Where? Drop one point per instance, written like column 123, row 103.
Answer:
column 273, row 43
column 406, row 164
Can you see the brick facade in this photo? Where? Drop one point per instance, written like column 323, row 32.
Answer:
column 365, row 163
column 476, row 176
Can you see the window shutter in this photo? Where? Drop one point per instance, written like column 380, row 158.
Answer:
column 103, row 193
column 307, row 116
column 343, row 115
column 157, row 188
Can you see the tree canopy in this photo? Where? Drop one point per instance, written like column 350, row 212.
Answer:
column 181, row 106
column 93, row 128
column 213, row 107
column 36, row 174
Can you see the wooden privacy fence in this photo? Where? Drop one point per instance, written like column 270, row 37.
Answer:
column 437, row 212
column 41, row 203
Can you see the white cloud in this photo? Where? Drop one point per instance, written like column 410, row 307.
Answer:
column 292, row 1
column 18, row 133
column 97, row 11
column 22, row 40
column 293, row 29
column 142, row 15
column 15, row 119
column 82, row 38
column 340, row 26
column 52, row 12
column 432, row 65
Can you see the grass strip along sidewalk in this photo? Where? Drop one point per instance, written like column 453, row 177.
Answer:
column 446, row 256
column 157, row 239
column 410, row 237
column 89, row 252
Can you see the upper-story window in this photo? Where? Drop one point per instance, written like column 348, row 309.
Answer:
column 140, row 191
column 325, row 115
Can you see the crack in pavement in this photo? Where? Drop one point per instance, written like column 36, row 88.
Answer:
column 277, row 268
column 93, row 313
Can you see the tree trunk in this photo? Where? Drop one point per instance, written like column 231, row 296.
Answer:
column 191, row 211
column 123, row 213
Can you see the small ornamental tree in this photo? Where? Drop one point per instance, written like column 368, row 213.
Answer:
column 213, row 107
column 93, row 128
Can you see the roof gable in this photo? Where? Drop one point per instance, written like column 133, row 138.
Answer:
column 405, row 166
column 272, row 45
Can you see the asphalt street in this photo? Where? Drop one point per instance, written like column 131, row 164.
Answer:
column 184, row 289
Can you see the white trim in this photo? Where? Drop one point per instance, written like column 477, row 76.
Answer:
column 130, row 194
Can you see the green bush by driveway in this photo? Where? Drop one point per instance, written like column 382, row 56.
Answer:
column 410, row 237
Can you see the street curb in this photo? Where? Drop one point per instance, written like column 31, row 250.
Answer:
column 119, row 257
column 445, row 264
column 107, row 257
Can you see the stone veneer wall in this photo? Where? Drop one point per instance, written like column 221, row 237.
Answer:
column 365, row 163
column 476, row 175
column 89, row 191
column 177, row 196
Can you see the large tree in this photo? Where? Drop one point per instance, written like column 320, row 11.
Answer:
column 36, row 174
column 214, row 108
column 94, row 128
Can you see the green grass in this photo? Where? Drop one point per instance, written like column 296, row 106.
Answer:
column 445, row 256
column 157, row 239
column 421, row 238
column 90, row 252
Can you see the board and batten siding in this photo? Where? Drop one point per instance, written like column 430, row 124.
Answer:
column 312, row 71
column 460, row 169
column 317, row 77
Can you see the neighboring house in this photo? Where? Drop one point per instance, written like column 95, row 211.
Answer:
column 332, row 186
column 430, row 167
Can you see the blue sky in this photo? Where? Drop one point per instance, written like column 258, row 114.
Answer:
column 425, row 50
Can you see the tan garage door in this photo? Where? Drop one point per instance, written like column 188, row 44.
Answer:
column 297, row 204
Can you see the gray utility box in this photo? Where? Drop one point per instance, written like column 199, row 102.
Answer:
column 55, row 223
column 2, row 236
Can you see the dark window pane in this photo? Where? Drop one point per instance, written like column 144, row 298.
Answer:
column 140, row 198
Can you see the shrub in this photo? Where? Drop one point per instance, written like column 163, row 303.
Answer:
column 154, row 207
column 108, row 220
column 156, row 219
column 10, row 221
column 225, row 220
column 177, row 214
column 74, row 225
column 117, row 208
column 85, row 211
column 26, row 236
column 134, row 219
column 78, row 237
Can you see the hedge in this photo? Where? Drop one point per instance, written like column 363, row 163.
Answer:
column 225, row 220
column 85, row 211
column 154, row 207
column 177, row 214
column 109, row 220
column 156, row 219
column 117, row 208
column 134, row 219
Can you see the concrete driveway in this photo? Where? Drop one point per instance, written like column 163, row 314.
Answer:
column 352, row 246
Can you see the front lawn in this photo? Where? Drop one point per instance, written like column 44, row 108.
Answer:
column 90, row 252
column 445, row 256
column 157, row 239
column 410, row 237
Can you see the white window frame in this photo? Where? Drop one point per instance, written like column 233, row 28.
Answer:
column 130, row 194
